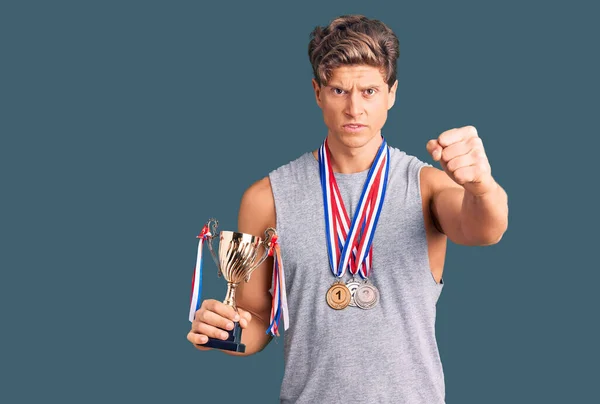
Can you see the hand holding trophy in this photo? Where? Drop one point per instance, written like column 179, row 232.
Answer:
column 236, row 258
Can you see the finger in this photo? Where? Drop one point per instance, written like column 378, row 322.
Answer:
column 434, row 148
column 245, row 314
column 197, row 339
column 246, row 317
column 222, row 309
column 455, row 150
column 243, row 323
column 465, row 174
column 456, row 135
column 211, row 331
column 461, row 161
column 210, row 318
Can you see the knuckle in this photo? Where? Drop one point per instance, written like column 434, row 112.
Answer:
column 476, row 144
column 484, row 167
column 481, row 158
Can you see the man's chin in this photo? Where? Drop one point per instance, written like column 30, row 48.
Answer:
column 355, row 140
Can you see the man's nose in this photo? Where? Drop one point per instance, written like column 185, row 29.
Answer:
column 354, row 105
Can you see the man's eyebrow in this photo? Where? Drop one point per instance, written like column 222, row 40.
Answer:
column 338, row 85
column 371, row 86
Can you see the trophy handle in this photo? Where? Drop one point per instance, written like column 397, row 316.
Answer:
column 269, row 233
column 212, row 225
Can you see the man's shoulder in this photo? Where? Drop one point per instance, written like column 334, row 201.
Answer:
column 297, row 163
column 406, row 162
column 259, row 191
column 411, row 164
column 257, row 205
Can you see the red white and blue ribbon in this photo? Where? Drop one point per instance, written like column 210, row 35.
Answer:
column 342, row 230
column 197, row 277
column 279, row 305
column 350, row 246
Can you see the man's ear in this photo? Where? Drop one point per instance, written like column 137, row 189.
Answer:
column 392, row 95
column 317, row 89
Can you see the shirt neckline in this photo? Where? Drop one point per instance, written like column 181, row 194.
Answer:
column 340, row 176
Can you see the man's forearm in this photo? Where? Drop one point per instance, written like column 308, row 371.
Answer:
column 484, row 218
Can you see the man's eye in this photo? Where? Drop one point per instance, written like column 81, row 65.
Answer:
column 370, row 91
column 338, row 91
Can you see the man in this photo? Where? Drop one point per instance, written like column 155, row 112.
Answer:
column 378, row 345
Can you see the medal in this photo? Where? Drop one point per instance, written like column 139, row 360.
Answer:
column 338, row 295
column 366, row 295
column 352, row 285
column 349, row 245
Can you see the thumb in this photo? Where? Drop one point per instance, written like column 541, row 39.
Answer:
column 435, row 149
column 245, row 317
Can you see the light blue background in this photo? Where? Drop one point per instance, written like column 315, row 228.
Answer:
column 125, row 125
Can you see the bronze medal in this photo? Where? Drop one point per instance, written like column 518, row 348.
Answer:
column 338, row 296
column 366, row 296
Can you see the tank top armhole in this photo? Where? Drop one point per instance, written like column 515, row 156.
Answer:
column 417, row 167
column 274, row 191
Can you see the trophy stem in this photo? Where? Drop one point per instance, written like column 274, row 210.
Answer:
column 230, row 298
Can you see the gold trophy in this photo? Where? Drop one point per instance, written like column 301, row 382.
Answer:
column 237, row 259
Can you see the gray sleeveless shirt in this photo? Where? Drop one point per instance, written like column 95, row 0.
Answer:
column 387, row 354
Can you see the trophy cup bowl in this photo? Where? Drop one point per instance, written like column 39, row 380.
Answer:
column 238, row 256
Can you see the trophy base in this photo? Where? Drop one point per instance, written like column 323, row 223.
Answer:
column 232, row 343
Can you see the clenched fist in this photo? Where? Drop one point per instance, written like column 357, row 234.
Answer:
column 461, row 154
column 212, row 319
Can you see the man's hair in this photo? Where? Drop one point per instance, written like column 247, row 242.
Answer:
column 353, row 40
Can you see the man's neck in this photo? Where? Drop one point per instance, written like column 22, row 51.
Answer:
column 346, row 160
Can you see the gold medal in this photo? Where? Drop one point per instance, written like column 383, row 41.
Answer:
column 338, row 296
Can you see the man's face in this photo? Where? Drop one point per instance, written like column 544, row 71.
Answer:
column 355, row 94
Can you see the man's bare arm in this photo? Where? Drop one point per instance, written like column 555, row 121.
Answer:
column 466, row 201
column 467, row 219
column 256, row 214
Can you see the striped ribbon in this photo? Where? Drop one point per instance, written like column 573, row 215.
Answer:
column 354, row 241
column 279, row 305
column 197, row 277
column 342, row 231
